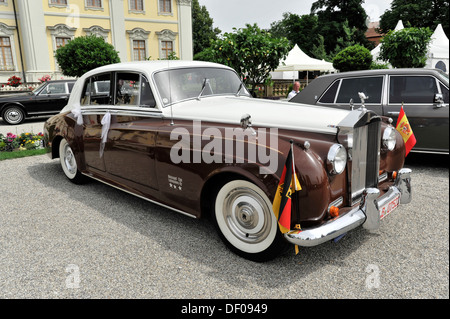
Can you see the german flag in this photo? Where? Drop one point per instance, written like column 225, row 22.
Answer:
column 282, row 204
column 405, row 130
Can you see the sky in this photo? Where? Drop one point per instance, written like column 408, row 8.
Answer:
column 229, row 14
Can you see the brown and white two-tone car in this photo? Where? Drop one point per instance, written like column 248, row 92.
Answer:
column 188, row 136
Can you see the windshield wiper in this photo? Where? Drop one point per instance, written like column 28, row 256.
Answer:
column 206, row 81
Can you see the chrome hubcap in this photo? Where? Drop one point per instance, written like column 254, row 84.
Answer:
column 69, row 160
column 13, row 116
column 247, row 215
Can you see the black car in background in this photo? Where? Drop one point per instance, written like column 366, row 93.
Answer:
column 47, row 99
column 423, row 93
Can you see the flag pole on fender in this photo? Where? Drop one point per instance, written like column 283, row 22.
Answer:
column 405, row 130
column 282, row 203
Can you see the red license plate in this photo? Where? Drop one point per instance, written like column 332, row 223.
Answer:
column 389, row 207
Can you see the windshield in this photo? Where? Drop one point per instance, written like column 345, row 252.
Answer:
column 36, row 90
column 183, row 84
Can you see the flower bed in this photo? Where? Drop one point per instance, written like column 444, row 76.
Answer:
column 24, row 141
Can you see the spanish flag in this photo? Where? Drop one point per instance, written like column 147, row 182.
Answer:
column 405, row 130
column 288, row 184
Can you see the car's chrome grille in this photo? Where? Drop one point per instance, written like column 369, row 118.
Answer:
column 365, row 159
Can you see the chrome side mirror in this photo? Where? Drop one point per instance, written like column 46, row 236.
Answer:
column 439, row 100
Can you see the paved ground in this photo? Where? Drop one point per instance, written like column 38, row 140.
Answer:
column 33, row 125
column 59, row 240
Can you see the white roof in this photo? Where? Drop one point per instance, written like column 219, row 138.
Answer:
column 297, row 60
column 439, row 46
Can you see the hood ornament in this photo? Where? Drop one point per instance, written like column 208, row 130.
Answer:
column 363, row 98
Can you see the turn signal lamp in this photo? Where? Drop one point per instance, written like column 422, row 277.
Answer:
column 334, row 211
column 394, row 175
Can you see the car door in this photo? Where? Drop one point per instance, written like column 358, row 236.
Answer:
column 51, row 99
column 129, row 154
column 429, row 122
column 95, row 104
column 345, row 91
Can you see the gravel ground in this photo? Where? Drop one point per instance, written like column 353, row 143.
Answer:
column 59, row 240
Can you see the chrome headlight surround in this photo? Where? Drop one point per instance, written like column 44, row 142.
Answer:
column 336, row 159
column 389, row 139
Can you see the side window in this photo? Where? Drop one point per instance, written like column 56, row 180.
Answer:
column 330, row 94
column 412, row 89
column 370, row 86
column 127, row 89
column 147, row 98
column 56, row 88
column 97, row 90
column 444, row 91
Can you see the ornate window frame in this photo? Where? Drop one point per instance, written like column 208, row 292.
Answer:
column 8, row 31
column 138, row 34
column 97, row 31
column 166, row 35
column 60, row 31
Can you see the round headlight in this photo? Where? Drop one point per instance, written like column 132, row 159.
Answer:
column 336, row 159
column 389, row 139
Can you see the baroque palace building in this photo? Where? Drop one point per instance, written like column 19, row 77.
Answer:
column 31, row 31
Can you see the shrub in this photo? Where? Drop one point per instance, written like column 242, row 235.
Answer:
column 353, row 58
column 85, row 53
column 406, row 48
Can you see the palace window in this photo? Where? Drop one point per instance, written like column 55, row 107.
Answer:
column 139, row 50
column 165, row 6
column 6, row 59
column 136, row 5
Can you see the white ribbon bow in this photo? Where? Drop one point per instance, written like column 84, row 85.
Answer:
column 77, row 113
column 106, row 123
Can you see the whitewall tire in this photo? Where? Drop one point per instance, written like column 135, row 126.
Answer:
column 243, row 214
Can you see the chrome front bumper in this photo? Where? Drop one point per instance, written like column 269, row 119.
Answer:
column 366, row 214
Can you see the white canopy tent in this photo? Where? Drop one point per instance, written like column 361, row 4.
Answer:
column 438, row 54
column 297, row 60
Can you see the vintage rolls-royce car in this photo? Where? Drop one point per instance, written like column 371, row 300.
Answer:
column 189, row 136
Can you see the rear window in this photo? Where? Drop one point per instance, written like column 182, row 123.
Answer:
column 412, row 89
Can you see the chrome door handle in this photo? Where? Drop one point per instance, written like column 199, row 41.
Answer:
column 393, row 113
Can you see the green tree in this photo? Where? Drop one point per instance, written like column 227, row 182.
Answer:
column 203, row 30
column 406, row 48
column 300, row 30
column 332, row 16
column 85, row 53
column 252, row 52
column 353, row 58
column 416, row 13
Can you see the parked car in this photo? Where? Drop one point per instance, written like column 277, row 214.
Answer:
column 188, row 136
column 47, row 99
column 423, row 93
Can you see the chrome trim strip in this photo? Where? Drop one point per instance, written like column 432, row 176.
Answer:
column 142, row 197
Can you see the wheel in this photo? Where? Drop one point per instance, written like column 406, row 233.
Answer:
column 13, row 115
column 246, row 222
column 69, row 163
